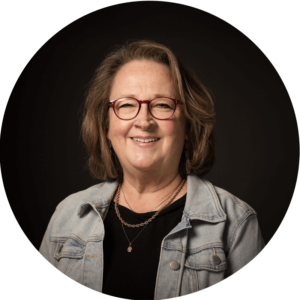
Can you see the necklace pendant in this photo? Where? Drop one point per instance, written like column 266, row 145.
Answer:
column 129, row 249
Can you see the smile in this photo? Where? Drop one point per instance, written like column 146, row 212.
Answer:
column 146, row 140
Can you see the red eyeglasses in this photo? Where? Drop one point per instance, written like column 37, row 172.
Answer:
column 161, row 108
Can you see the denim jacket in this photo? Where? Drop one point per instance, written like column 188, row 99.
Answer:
column 218, row 234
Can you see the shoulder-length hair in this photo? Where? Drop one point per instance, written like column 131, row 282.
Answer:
column 197, row 105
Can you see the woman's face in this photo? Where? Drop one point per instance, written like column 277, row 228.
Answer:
column 145, row 80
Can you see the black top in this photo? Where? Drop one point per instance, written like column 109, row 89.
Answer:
column 132, row 275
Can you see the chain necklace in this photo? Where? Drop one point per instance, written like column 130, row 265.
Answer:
column 149, row 211
column 129, row 249
column 155, row 206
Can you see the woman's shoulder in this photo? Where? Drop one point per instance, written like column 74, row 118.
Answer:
column 71, row 212
column 213, row 200
column 231, row 202
column 75, row 200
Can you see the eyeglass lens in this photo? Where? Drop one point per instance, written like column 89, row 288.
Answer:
column 161, row 108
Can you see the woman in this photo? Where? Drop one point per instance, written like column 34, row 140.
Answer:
column 153, row 229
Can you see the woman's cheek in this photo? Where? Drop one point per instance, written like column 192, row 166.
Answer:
column 120, row 136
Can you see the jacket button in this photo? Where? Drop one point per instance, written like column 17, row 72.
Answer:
column 216, row 259
column 174, row 265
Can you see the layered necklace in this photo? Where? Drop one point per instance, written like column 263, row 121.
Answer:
column 129, row 249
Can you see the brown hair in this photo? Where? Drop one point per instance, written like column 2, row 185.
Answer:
column 198, row 108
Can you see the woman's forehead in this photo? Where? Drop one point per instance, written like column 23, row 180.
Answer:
column 143, row 77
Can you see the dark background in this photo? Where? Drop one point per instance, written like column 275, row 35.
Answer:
column 43, row 159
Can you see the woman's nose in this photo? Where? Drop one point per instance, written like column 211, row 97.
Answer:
column 144, row 118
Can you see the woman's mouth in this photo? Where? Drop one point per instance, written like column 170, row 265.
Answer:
column 145, row 140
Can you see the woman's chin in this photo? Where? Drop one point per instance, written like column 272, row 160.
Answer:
column 145, row 165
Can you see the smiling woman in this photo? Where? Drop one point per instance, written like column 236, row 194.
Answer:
column 153, row 229
column 153, row 161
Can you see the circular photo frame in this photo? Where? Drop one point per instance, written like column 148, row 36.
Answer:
column 46, row 175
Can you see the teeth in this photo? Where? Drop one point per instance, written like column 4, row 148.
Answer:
column 145, row 141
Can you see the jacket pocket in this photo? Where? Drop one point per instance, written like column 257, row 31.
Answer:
column 203, row 268
column 69, row 251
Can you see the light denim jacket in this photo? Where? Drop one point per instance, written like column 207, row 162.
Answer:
column 214, row 222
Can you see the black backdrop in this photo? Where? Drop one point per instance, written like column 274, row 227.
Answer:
column 43, row 159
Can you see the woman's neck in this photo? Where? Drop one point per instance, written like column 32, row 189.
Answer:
column 145, row 193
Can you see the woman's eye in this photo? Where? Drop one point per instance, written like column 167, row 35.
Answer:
column 124, row 105
column 162, row 105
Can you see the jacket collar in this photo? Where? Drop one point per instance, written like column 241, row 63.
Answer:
column 202, row 202
column 99, row 197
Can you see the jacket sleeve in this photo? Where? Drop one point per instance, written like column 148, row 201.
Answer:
column 247, row 242
column 47, row 247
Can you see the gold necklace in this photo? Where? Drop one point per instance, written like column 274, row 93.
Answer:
column 155, row 206
column 129, row 249
column 149, row 211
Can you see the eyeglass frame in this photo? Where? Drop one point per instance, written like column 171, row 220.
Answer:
column 140, row 102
